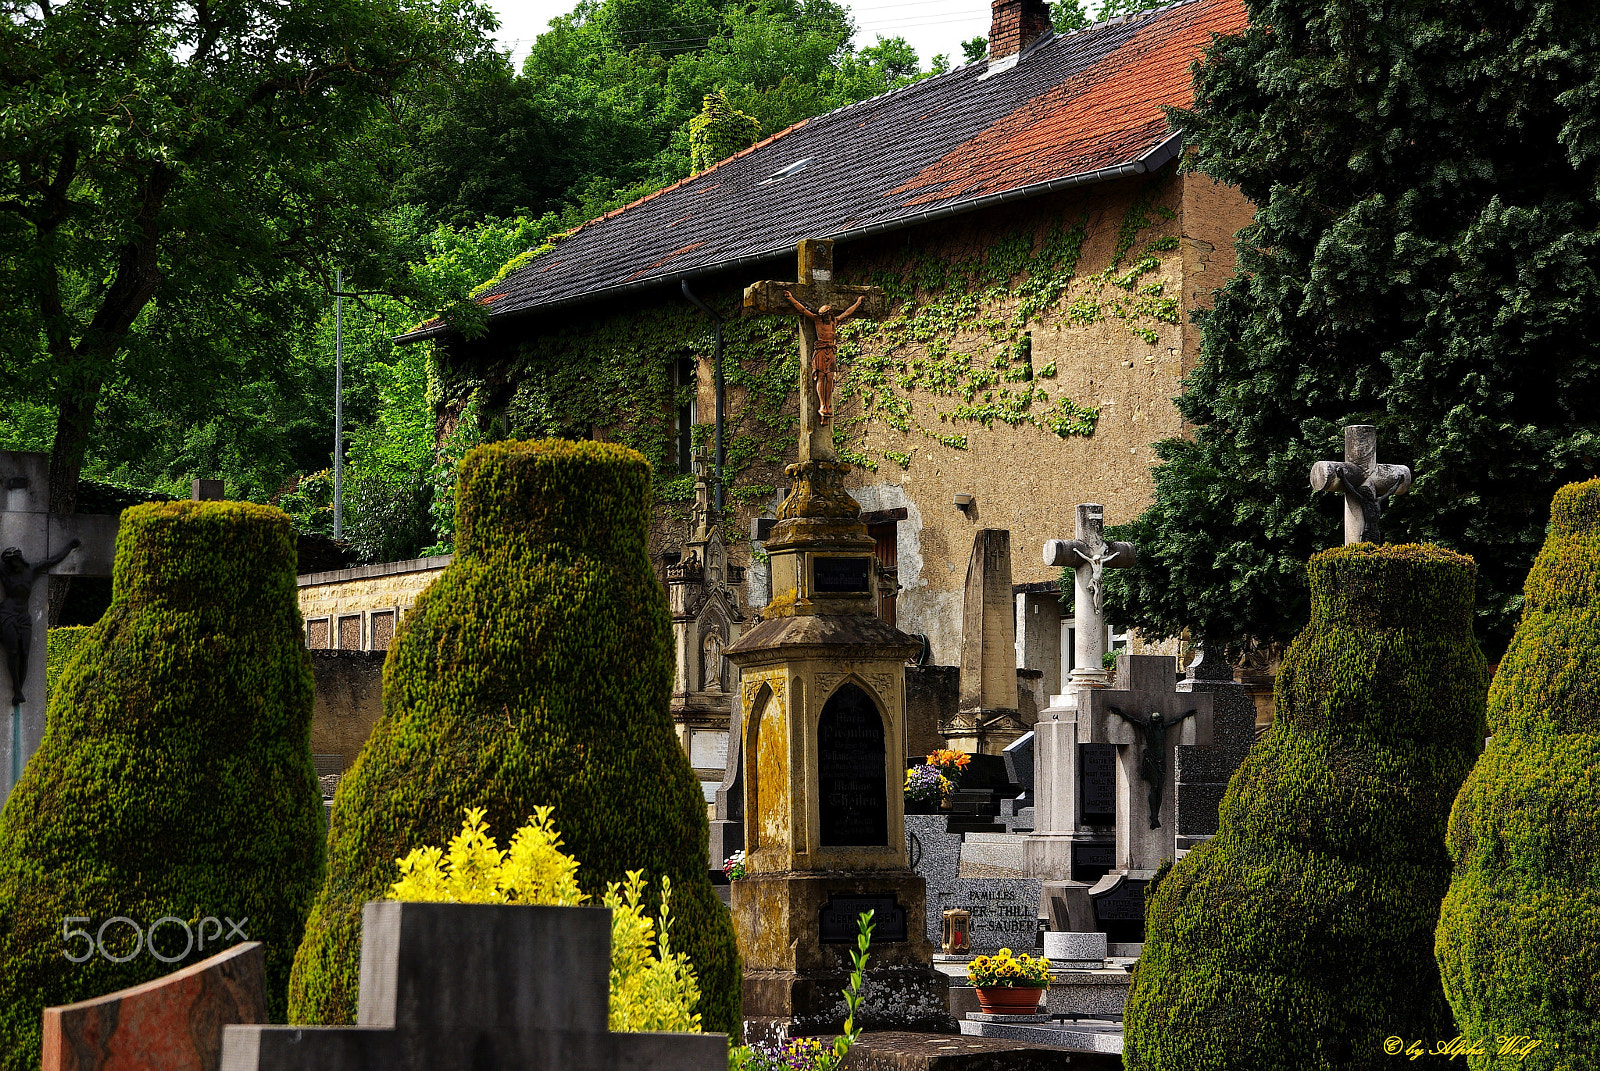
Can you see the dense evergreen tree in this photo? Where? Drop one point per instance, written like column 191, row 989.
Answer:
column 1423, row 257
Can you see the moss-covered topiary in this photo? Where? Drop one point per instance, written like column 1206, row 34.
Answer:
column 1301, row 936
column 59, row 646
column 174, row 777
column 536, row 670
column 1519, row 934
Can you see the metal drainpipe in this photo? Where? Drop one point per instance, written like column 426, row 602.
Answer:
column 716, row 357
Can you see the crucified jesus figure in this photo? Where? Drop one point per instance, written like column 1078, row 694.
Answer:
column 1153, row 768
column 826, row 320
column 17, row 578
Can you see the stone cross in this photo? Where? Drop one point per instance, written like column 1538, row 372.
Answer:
column 460, row 987
column 41, row 538
column 1366, row 485
column 821, row 305
column 1147, row 718
column 1089, row 555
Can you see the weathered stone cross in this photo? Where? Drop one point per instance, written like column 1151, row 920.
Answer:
column 821, row 304
column 1089, row 555
column 44, row 539
column 1148, row 720
column 1366, row 485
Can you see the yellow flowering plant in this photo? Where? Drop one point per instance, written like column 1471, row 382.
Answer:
column 1009, row 970
column 648, row 991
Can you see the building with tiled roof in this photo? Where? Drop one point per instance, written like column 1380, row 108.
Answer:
column 1041, row 252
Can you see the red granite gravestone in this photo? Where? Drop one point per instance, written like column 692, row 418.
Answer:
column 173, row 1023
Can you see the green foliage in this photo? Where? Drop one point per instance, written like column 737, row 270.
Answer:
column 1423, row 257
column 1065, row 16
column 812, row 1054
column 1519, row 935
column 535, row 671
column 649, row 990
column 1301, row 935
column 719, row 131
column 173, row 184
column 60, row 645
column 175, row 773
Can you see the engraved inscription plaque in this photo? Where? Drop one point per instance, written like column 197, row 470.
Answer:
column 852, row 797
column 1097, row 784
column 838, row 921
column 836, row 575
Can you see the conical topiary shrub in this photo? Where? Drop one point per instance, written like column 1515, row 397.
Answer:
column 1301, row 936
column 174, row 778
column 1519, row 935
column 536, row 670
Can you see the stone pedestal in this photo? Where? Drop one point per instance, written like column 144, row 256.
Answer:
column 821, row 712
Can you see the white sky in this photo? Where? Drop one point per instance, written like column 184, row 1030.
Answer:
column 931, row 26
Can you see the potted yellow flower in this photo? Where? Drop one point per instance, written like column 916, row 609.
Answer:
column 1009, row 984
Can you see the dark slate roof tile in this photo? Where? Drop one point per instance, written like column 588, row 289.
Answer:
column 1075, row 108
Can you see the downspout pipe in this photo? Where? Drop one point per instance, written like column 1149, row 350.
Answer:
column 716, row 358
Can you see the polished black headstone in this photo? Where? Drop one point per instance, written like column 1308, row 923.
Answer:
column 852, row 796
column 1119, row 910
column 1097, row 784
column 1093, row 860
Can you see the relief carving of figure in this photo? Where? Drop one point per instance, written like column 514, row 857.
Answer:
column 712, row 648
column 1153, row 768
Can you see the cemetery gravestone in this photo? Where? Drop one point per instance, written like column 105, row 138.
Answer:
column 1147, row 719
column 1073, row 776
column 853, row 801
column 987, row 718
column 1366, row 485
column 463, row 987
column 27, row 525
column 174, row 1023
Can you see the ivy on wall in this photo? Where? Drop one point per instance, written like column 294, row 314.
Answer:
column 958, row 336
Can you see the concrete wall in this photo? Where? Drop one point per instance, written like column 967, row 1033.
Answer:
column 349, row 701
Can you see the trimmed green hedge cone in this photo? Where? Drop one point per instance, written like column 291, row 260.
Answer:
column 60, row 645
column 1301, row 936
column 174, row 777
column 535, row 670
column 1519, row 935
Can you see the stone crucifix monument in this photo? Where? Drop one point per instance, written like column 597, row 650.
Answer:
column 1366, row 485
column 36, row 542
column 821, row 712
column 1073, row 769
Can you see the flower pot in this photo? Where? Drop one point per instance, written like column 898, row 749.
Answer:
column 1009, row 1000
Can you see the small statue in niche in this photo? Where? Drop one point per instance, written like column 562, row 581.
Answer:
column 712, row 648
column 17, row 578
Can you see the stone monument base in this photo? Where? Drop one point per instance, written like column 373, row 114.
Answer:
column 801, row 930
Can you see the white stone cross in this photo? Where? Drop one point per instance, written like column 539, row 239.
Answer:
column 1089, row 555
column 27, row 524
column 1147, row 720
column 1366, row 485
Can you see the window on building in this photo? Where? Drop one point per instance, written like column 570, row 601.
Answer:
column 884, row 527
column 685, row 374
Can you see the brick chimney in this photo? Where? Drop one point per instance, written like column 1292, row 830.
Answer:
column 1017, row 24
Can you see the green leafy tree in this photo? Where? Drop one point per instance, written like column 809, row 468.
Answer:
column 1423, row 254
column 719, row 131
column 1519, row 934
column 1065, row 16
column 168, row 172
